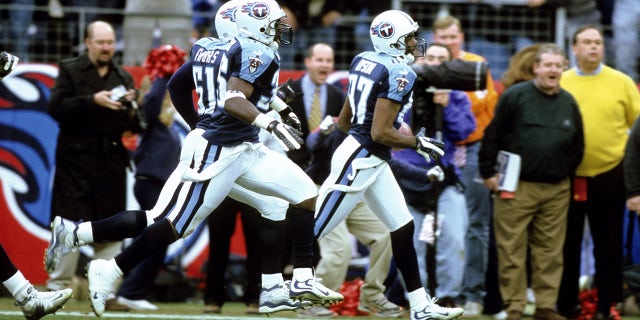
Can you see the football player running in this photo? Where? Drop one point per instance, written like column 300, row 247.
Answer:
column 380, row 84
column 236, row 83
column 274, row 296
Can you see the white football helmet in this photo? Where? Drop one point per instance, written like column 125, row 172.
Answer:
column 261, row 20
column 225, row 20
column 389, row 31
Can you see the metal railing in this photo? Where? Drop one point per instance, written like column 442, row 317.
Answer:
column 493, row 28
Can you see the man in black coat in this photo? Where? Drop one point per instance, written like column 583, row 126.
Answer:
column 91, row 161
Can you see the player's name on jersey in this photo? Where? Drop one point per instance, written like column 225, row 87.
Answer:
column 365, row 66
column 206, row 56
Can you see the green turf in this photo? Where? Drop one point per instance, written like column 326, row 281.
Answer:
column 79, row 309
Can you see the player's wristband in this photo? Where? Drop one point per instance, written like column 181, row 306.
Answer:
column 234, row 94
column 262, row 121
column 278, row 105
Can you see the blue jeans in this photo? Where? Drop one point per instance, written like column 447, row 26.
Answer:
column 450, row 246
column 477, row 235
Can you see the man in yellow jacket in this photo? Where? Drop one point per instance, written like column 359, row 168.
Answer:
column 609, row 102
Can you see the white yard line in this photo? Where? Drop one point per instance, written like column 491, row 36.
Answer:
column 146, row 316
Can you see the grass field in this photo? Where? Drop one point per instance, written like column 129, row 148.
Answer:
column 79, row 309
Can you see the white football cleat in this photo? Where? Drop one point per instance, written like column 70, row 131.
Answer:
column 36, row 304
column 276, row 298
column 102, row 276
column 312, row 290
column 432, row 311
column 62, row 243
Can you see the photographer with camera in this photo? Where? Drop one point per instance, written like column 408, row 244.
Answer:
column 447, row 116
column 92, row 103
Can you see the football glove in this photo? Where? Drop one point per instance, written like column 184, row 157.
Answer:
column 289, row 118
column 286, row 93
column 7, row 63
column 430, row 149
column 289, row 138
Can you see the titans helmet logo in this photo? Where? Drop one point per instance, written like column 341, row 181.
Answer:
column 383, row 30
column 229, row 14
column 258, row 10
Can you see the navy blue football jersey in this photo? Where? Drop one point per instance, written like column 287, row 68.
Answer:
column 214, row 62
column 375, row 75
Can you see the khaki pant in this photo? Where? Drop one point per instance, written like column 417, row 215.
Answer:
column 335, row 250
column 536, row 217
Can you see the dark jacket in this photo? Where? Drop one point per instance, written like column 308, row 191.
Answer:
column 545, row 130
column 632, row 162
column 91, row 162
column 335, row 100
column 322, row 146
column 159, row 151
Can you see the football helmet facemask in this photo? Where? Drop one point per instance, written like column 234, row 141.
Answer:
column 261, row 20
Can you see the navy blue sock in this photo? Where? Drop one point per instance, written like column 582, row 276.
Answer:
column 405, row 256
column 126, row 224
column 154, row 239
column 7, row 269
column 302, row 226
column 272, row 245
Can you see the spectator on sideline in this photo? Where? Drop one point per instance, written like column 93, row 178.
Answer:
column 91, row 163
column 541, row 123
column 520, row 66
column 448, row 30
column 446, row 115
column 610, row 103
column 631, row 168
column 319, row 64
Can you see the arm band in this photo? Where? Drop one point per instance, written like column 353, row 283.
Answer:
column 277, row 104
column 262, row 121
column 233, row 94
